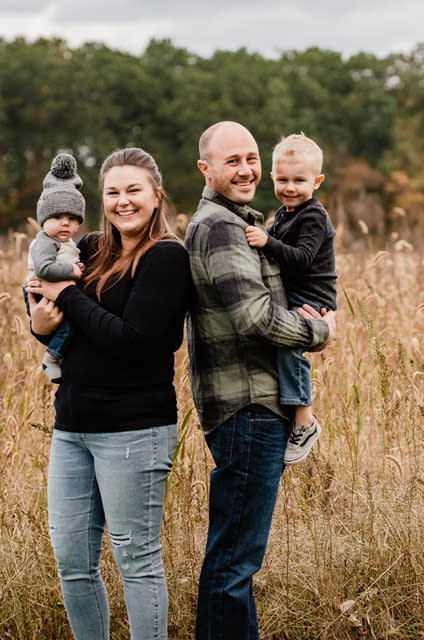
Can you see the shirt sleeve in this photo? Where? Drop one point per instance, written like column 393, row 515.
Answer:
column 158, row 299
column 245, row 281
column 43, row 255
column 312, row 231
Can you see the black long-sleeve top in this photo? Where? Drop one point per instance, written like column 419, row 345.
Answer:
column 117, row 374
column 302, row 243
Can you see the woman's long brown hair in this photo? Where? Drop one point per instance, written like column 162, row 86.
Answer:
column 108, row 260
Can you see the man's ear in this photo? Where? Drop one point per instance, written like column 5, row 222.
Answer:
column 203, row 166
column 319, row 180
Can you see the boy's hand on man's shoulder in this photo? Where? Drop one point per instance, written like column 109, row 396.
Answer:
column 256, row 237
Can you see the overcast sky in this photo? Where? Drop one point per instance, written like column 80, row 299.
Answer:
column 268, row 26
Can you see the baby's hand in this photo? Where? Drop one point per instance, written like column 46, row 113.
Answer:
column 256, row 237
column 78, row 269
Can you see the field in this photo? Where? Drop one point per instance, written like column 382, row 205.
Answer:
column 345, row 558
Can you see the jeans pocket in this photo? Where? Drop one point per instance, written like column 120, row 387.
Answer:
column 221, row 440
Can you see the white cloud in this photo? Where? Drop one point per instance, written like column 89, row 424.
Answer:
column 27, row 6
column 375, row 26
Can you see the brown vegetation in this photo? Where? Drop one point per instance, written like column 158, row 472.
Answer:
column 345, row 558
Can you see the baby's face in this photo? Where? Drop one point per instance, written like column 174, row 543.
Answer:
column 295, row 180
column 61, row 227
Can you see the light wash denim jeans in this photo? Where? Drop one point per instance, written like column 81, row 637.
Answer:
column 294, row 369
column 119, row 479
column 248, row 450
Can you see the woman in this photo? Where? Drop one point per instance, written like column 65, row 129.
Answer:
column 115, row 427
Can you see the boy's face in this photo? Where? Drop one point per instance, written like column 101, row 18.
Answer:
column 61, row 227
column 295, row 180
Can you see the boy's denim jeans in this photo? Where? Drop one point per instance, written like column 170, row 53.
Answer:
column 294, row 369
column 248, row 450
column 60, row 339
column 115, row 478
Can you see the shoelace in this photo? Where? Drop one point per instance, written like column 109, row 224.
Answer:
column 296, row 436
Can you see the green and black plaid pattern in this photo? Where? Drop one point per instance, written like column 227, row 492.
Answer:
column 239, row 314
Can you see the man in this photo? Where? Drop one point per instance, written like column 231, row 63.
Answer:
column 239, row 318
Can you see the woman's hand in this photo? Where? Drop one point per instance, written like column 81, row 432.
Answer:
column 45, row 316
column 49, row 290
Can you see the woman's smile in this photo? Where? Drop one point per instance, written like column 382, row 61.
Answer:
column 129, row 200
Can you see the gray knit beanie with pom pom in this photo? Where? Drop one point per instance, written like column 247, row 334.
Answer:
column 61, row 190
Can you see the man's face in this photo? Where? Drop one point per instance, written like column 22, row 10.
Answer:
column 233, row 165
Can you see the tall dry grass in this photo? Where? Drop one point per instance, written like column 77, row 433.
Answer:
column 345, row 558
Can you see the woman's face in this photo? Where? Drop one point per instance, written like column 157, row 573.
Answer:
column 129, row 200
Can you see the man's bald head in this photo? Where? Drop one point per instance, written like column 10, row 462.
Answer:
column 229, row 161
column 206, row 142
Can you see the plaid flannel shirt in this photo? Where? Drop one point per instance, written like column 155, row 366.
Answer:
column 239, row 314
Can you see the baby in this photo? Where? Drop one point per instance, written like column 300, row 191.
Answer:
column 53, row 254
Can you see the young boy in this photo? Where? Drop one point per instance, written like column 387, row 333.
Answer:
column 53, row 254
column 301, row 241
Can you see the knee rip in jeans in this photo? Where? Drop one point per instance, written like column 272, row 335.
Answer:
column 120, row 539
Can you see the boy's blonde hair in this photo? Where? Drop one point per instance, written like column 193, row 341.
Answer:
column 296, row 145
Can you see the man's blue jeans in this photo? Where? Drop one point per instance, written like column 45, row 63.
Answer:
column 248, row 451
column 118, row 478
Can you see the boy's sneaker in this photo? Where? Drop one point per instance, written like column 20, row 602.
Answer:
column 300, row 442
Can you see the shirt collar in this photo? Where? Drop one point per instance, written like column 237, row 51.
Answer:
column 297, row 209
column 249, row 215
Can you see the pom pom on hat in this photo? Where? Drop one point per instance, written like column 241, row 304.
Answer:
column 64, row 166
column 61, row 190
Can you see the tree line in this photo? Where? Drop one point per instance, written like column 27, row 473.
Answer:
column 366, row 112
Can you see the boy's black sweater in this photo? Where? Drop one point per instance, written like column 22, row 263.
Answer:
column 118, row 371
column 302, row 243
